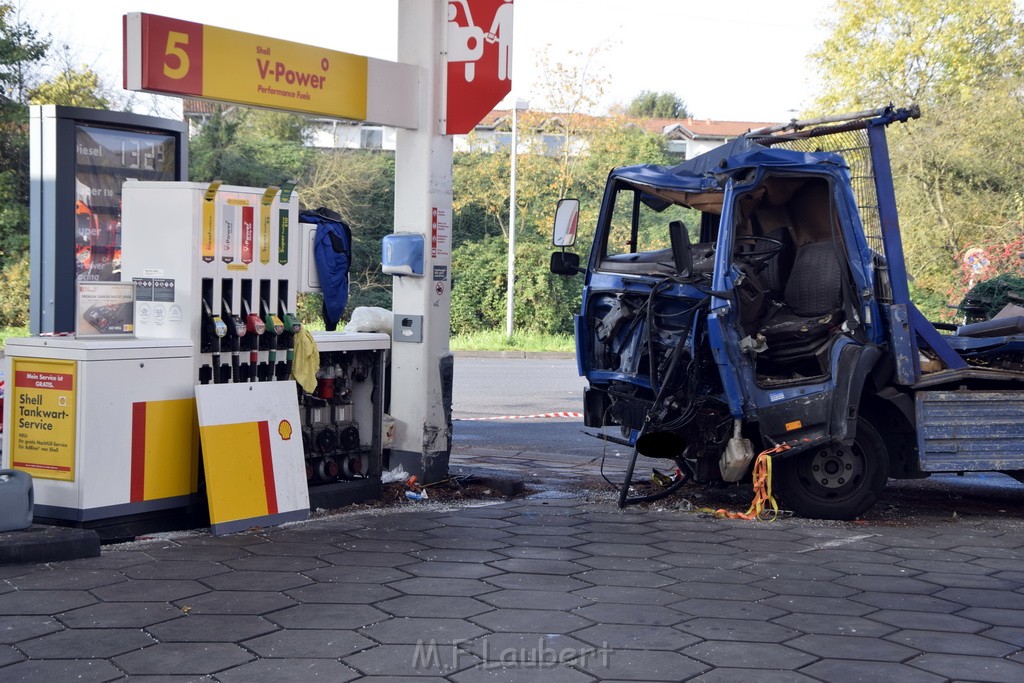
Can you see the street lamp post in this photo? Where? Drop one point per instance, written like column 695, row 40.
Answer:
column 519, row 105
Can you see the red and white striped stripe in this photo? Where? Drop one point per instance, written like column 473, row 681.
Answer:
column 562, row 413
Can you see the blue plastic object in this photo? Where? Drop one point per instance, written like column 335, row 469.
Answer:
column 16, row 500
column 402, row 254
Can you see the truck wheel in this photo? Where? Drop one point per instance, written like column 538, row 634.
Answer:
column 835, row 481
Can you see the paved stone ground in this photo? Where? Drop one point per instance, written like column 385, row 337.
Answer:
column 480, row 593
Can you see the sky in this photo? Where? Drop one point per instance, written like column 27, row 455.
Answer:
column 728, row 60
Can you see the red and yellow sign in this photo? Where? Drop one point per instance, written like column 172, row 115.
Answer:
column 43, row 418
column 178, row 57
column 163, row 434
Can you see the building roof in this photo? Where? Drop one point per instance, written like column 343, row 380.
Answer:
column 688, row 127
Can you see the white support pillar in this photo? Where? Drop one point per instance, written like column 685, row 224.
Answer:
column 421, row 371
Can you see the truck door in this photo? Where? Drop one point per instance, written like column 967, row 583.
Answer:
column 722, row 330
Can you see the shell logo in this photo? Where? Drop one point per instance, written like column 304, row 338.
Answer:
column 285, row 429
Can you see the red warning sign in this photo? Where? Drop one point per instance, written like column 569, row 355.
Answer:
column 479, row 72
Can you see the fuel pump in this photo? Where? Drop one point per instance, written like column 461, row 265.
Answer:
column 236, row 330
column 215, row 330
column 254, row 327
column 275, row 328
column 292, row 327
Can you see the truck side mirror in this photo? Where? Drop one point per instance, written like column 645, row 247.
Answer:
column 567, row 216
column 565, row 263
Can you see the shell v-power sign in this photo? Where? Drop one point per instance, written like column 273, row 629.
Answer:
column 183, row 58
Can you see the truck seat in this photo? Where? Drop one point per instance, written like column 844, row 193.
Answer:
column 812, row 303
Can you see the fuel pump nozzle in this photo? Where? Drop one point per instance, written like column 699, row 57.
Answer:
column 255, row 327
column 274, row 328
column 236, row 329
column 292, row 326
column 217, row 329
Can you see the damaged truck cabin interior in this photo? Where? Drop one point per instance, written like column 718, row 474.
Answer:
column 755, row 298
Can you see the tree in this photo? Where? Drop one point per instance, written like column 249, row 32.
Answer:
column 71, row 87
column 914, row 51
column 657, row 105
column 21, row 46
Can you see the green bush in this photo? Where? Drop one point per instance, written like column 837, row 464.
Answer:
column 14, row 278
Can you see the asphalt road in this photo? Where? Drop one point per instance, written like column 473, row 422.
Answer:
column 487, row 388
column 495, row 387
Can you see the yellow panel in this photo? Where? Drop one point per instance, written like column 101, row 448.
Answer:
column 233, row 463
column 42, row 397
column 170, row 443
column 267, row 72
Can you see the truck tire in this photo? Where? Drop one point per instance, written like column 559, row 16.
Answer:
column 835, row 481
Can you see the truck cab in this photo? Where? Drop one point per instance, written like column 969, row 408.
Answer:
column 744, row 300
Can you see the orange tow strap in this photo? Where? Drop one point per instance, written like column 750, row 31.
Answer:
column 763, row 497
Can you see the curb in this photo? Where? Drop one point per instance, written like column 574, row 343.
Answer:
column 559, row 355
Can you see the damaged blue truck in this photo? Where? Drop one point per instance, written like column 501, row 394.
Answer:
column 756, row 297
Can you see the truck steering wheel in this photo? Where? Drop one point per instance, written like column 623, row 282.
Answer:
column 756, row 250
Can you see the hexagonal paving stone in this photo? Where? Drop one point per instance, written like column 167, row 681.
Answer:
column 120, row 615
column 889, row 584
column 843, row 671
column 748, row 655
column 528, row 599
column 618, row 550
column 175, row 569
column 43, row 602
column 14, row 629
column 276, row 670
column 746, row 630
column 308, row 643
column 719, row 591
column 971, row 581
column 380, row 545
column 354, row 593
column 496, row 672
column 83, row 670
column 728, row 675
column 952, row 643
column 970, row 668
column 256, row 581
column 823, row 589
column 932, row 621
column 458, row 555
column 211, row 553
column 903, row 601
column 275, row 563
column 978, row 597
column 183, row 658
column 627, row 595
column 530, row 621
column 286, row 549
column 994, row 616
column 454, row 570
column 456, row 543
column 433, row 606
column 869, row 569
column 369, row 559
column 327, row 616
column 727, row 609
column 236, row 602
column 817, row 605
column 541, row 582
column 150, row 590
column 830, row 624
column 68, row 579
column 413, row 630
column 635, row 637
column 649, row 615
column 100, row 643
column 335, row 574
column 399, row 661
column 211, row 628
column 1006, row 634
column 625, row 564
column 8, row 655
column 845, row 647
column 636, row 665
column 535, row 650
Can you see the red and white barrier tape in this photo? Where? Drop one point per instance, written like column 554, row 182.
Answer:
column 563, row 413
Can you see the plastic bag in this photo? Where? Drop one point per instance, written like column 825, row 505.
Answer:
column 370, row 319
column 392, row 476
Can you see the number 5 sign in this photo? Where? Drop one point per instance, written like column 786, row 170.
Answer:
column 479, row 71
column 176, row 57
